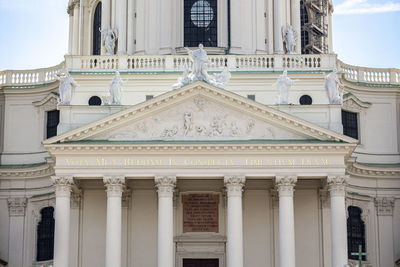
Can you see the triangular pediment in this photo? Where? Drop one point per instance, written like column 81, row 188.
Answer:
column 200, row 111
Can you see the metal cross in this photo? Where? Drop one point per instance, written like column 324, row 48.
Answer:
column 360, row 254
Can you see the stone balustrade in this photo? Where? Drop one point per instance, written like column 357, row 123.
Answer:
column 29, row 77
column 370, row 75
column 43, row 264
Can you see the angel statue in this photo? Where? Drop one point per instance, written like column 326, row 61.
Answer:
column 67, row 87
column 333, row 86
column 108, row 38
column 221, row 79
column 184, row 80
column 200, row 59
column 284, row 84
column 116, row 89
column 289, row 35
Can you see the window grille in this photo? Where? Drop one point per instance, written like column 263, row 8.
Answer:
column 350, row 124
column 53, row 118
column 305, row 100
column 96, row 30
column 148, row 97
column 200, row 23
column 305, row 40
column 95, row 101
column 45, row 235
column 251, row 97
column 355, row 232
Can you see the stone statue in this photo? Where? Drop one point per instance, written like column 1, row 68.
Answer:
column 200, row 59
column 284, row 84
column 67, row 87
column 221, row 79
column 108, row 38
column 289, row 35
column 184, row 80
column 332, row 86
column 116, row 89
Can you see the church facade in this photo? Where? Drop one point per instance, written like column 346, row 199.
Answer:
column 269, row 151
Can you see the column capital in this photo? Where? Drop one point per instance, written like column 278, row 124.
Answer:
column 384, row 206
column 63, row 185
column 114, row 185
column 165, row 185
column 337, row 185
column 285, row 185
column 16, row 206
column 234, row 184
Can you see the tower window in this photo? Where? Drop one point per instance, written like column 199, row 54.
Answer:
column 251, row 97
column 148, row 97
column 200, row 23
column 355, row 232
column 305, row 100
column 96, row 30
column 45, row 235
column 95, row 101
column 53, row 118
column 350, row 124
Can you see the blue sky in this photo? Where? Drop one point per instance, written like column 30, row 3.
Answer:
column 34, row 33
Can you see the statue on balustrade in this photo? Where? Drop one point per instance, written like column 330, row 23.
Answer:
column 115, row 91
column 67, row 87
column 108, row 39
column 333, row 87
column 289, row 35
column 200, row 60
column 284, row 84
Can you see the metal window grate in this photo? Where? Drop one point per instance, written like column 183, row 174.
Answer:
column 148, row 97
column 251, row 97
column 45, row 235
column 200, row 23
column 350, row 124
column 96, row 30
column 355, row 232
column 53, row 118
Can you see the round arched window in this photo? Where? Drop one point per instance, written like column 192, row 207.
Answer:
column 305, row 100
column 201, row 13
column 95, row 101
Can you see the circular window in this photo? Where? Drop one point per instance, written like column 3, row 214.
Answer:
column 94, row 101
column 305, row 100
column 201, row 13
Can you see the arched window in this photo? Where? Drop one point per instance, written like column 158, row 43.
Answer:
column 45, row 235
column 355, row 232
column 95, row 101
column 96, row 30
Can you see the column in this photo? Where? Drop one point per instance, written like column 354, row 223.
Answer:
column 165, row 189
column 234, row 226
column 16, row 210
column 337, row 190
column 236, row 27
column 278, row 22
column 287, row 254
column 384, row 211
column 131, row 28
column 121, row 26
column 295, row 18
column 63, row 186
column 75, row 43
column 114, row 187
column 105, row 18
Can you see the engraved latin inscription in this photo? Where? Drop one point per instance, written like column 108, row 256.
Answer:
column 200, row 212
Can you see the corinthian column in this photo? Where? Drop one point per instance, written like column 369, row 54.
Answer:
column 287, row 254
column 337, row 190
column 234, row 227
column 114, row 187
column 165, row 189
column 63, row 186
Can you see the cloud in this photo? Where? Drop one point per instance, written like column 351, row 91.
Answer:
column 365, row 7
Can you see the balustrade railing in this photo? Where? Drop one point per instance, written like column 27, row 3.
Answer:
column 43, row 264
column 29, row 77
column 370, row 75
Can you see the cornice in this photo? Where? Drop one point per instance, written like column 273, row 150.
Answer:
column 174, row 97
column 41, row 171
column 353, row 104
column 366, row 171
column 370, row 88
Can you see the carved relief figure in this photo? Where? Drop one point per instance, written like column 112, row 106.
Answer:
column 333, row 86
column 67, row 87
column 108, row 38
column 284, row 84
column 289, row 36
column 187, row 123
column 116, row 89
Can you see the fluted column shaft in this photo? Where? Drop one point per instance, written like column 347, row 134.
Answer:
column 114, row 187
column 63, row 187
column 75, row 42
column 234, row 227
column 337, row 187
column 121, row 26
column 287, row 254
column 165, row 189
column 278, row 22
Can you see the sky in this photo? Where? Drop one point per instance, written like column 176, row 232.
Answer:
column 34, row 33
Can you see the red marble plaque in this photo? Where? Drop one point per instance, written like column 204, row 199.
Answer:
column 200, row 212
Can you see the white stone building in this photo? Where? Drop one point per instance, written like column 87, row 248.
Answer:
column 200, row 175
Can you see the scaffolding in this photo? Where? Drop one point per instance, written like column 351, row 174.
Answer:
column 314, row 26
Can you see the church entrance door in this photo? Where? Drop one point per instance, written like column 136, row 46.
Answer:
column 200, row 263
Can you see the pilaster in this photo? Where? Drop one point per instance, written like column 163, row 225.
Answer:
column 16, row 210
column 384, row 210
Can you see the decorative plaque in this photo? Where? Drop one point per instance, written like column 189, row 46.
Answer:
column 200, row 212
